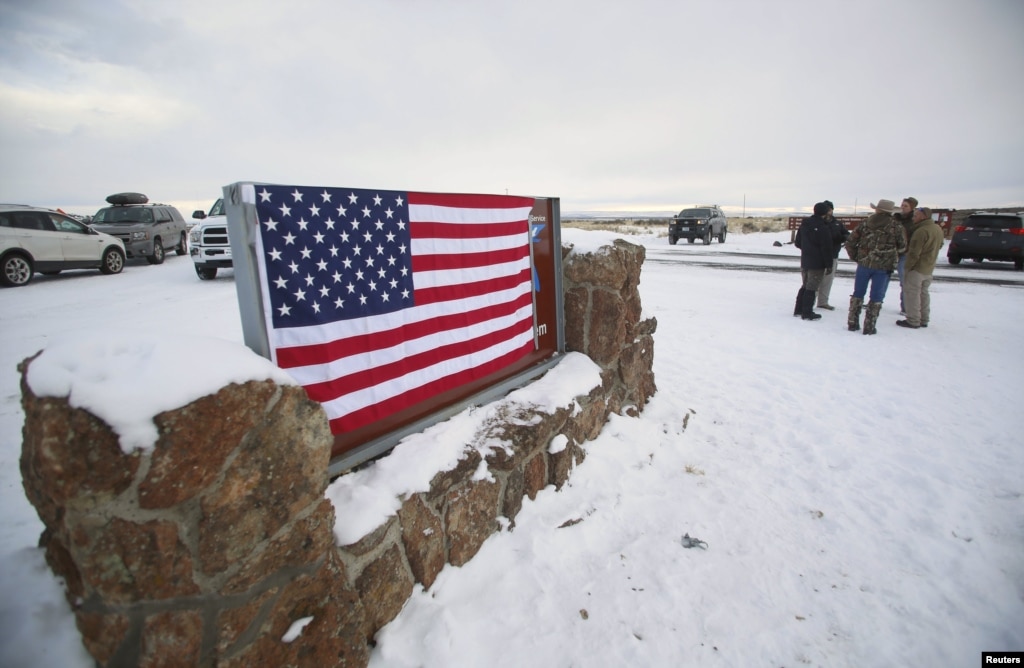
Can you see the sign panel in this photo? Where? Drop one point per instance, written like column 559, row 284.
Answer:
column 388, row 306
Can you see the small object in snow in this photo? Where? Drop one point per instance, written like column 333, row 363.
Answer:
column 693, row 542
column 777, row 243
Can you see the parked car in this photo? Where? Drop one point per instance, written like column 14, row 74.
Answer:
column 702, row 222
column 147, row 230
column 208, row 242
column 989, row 236
column 34, row 239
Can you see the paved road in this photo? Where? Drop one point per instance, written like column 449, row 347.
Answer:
column 991, row 273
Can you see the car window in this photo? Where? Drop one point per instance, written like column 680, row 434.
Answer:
column 30, row 220
column 994, row 222
column 163, row 216
column 124, row 214
column 695, row 213
column 218, row 208
column 63, row 224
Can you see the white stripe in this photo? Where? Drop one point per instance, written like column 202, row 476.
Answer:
column 437, row 246
column 431, row 213
column 440, row 278
column 362, row 398
column 343, row 366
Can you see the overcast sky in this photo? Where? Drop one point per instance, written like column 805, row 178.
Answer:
column 639, row 105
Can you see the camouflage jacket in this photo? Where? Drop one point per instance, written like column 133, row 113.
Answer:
column 878, row 242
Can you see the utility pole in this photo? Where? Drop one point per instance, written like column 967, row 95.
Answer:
column 744, row 205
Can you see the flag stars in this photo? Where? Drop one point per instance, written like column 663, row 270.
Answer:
column 326, row 196
column 285, row 210
column 366, row 212
column 309, row 280
column 284, row 310
column 281, row 282
column 339, row 303
column 264, row 195
column 300, row 295
column 319, row 236
column 376, row 200
column 297, row 195
column 341, row 211
column 271, row 225
column 352, row 199
column 337, row 277
column 322, row 265
column 294, row 267
column 289, row 239
column 389, row 213
column 314, row 210
column 275, row 254
column 379, row 224
column 399, row 202
column 306, row 253
column 303, row 224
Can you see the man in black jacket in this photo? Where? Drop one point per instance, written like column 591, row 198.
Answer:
column 839, row 235
column 814, row 239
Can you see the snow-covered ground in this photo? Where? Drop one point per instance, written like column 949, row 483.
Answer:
column 860, row 497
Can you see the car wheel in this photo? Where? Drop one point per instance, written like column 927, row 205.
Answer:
column 721, row 237
column 707, row 237
column 206, row 274
column 672, row 240
column 953, row 259
column 158, row 252
column 1018, row 264
column 182, row 247
column 16, row 270
column 113, row 261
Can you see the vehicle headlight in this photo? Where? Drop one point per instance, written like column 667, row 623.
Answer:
column 193, row 235
column 139, row 236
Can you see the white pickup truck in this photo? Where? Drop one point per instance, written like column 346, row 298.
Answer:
column 208, row 242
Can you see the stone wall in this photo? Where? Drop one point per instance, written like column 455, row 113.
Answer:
column 216, row 546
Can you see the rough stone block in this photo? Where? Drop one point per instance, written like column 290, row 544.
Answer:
column 423, row 538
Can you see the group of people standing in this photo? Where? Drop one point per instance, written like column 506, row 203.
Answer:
column 905, row 240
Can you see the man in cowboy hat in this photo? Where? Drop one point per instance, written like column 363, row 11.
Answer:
column 875, row 246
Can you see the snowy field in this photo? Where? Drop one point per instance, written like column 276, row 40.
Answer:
column 860, row 497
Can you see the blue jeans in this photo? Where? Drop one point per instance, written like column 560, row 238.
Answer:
column 878, row 278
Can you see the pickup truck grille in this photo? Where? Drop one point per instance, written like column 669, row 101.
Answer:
column 215, row 236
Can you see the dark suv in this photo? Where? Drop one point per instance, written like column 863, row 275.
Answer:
column 702, row 222
column 147, row 230
column 989, row 236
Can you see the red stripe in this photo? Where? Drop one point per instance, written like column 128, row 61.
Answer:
column 425, row 230
column 332, row 389
column 425, row 262
column 362, row 343
column 380, row 410
column 447, row 293
column 471, row 201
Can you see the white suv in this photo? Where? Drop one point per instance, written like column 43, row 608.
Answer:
column 34, row 239
column 208, row 242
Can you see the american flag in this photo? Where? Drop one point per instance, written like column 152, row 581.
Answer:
column 376, row 300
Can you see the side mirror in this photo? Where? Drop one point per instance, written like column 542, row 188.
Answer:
column 199, row 213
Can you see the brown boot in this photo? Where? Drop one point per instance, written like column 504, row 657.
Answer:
column 853, row 317
column 871, row 317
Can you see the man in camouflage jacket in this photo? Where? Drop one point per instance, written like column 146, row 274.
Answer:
column 875, row 246
column 926, row 241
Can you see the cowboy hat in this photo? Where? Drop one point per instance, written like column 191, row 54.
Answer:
column 886, row 205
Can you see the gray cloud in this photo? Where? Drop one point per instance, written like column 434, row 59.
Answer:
column 643, row 105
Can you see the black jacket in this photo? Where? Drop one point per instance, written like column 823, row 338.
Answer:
column 839, row 236
column 814, row 239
